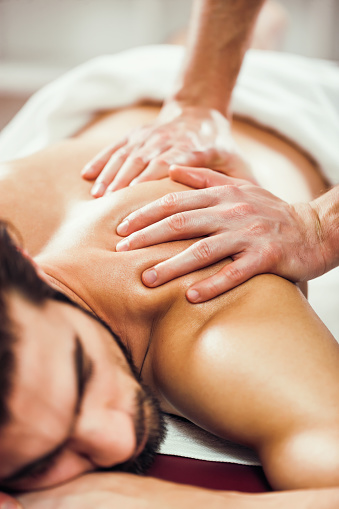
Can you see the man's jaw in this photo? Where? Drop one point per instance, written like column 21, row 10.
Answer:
column 149, row 434
column 148, row 418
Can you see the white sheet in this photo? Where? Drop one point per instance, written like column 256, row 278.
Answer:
column 296, row 96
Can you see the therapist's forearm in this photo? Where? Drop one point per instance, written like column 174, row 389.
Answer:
column 327, row 211
column 219, row 35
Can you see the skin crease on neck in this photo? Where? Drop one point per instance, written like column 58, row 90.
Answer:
column 73, row 236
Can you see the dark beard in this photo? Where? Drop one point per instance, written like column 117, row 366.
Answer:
column 156, row 434
column 156, row 424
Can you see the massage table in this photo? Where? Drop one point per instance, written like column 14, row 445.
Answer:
column 293, row 95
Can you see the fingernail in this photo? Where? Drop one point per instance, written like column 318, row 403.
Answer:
column 110, row 189
column 122, row 228
column 193, row 295
column 10, row 505
column 98, row 189
column 86, row 169
column 123, row 245
column 150, row 276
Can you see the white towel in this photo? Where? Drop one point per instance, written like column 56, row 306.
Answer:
column 297, row 97
column 185, row 439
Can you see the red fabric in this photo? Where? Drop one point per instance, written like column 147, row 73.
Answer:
column 210, row 474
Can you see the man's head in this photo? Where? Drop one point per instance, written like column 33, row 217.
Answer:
column 70, row 401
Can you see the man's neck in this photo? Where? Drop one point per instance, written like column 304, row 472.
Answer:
column 131, row 323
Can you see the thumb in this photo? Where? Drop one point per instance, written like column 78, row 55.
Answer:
column 200, row 178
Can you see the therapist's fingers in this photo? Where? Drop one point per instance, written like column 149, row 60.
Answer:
column 179, row 226
column 235, row 273
column 200, row 178
column 174, row 203
column 130, row 169
column 110, row 170
column 141, row 152
column 166, row 207
column 159, row 167
column 96, row 165
column 199, row 255
column 152, row 162
column 137, row 163
column 8, row 502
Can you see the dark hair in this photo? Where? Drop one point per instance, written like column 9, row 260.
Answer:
column 17, row 274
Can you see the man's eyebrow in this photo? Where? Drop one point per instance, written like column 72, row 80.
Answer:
column 26, row 470
column 83, row 372
column 83, row 368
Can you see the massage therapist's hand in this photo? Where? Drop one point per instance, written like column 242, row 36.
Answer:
column 186, row 135
column 261, row 233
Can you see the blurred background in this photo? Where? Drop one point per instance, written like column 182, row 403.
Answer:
column 40, row 39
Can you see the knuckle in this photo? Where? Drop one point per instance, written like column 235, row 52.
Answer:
column 241, row 210
column 272, row 254
column 118, row 157
column 140, row 218
column 137, row 239
column 160, row 161
column 169, row 202
column 214, row 285
column 233, row 273
column 257, row 228
column 163, row 136
column 156, row 138
column 244, row 208
column 183, row 146
column 137, row 161
column 229, row 190
column 202, row 251
column 177, row 222
column 181, row 157
column 123, row 151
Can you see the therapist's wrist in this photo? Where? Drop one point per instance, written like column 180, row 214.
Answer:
column 175, row 108
column 326, row 208
column 204, row 97
column 306, row 256
column 316, row 248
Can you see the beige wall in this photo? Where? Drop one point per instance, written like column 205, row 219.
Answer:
column 39, row 39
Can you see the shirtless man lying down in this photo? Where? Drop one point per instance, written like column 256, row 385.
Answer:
column 254, row 365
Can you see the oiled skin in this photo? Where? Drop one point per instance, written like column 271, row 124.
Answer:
column 255, row 365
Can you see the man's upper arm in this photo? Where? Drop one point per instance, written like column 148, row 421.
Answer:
column 248, row 373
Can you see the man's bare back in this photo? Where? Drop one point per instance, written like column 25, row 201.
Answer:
column 49, row 180
column 239, row 344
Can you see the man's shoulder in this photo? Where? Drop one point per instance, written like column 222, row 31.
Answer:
column 185, row 326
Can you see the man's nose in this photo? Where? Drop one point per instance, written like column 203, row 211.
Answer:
column 107, row 437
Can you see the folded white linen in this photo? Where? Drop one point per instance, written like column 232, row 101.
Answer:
column 185, row 439
column 65, row 105
column 294, row 95
column 297, row 97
